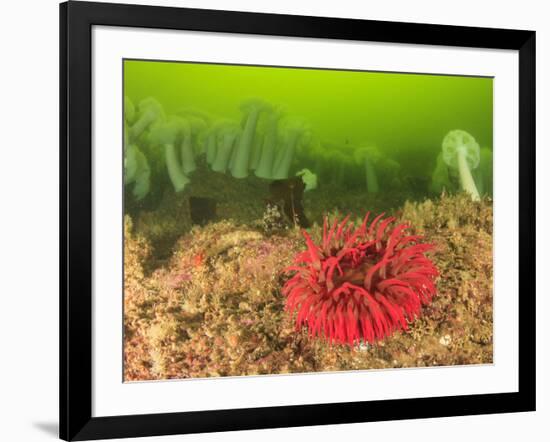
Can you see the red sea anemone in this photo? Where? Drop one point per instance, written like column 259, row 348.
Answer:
column 360, row 284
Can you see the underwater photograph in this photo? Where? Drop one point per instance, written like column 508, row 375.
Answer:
column 286, row 220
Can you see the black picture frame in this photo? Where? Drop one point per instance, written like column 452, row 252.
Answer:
column 76, row 21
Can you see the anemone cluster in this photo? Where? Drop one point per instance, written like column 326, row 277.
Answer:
column 272, row 145
column 267, row 143
column 263, row 143
column 362, row 166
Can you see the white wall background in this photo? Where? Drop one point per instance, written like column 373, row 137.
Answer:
column 28, row 216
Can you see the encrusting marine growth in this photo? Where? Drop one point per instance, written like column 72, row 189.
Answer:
column 461, row 152
column 360, row 284
column 211, row 305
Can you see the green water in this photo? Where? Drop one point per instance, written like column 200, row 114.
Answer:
column 404, row 116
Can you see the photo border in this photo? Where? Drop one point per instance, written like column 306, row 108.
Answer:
column 76, row 21
column 226, row 64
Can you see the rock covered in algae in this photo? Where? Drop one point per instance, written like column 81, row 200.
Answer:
column 241, row 200
column 215, row 308
column 136, row 253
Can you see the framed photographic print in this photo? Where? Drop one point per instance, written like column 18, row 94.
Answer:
column 272, row 220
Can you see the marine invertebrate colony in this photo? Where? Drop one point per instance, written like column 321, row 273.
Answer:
column 137, row 171
column 364, row 156
column 266, row 161
column 295, row 133
column 252, row 109
column 461, row 152
column 149, row 111
column 309, row 179
column 360, row 284
column 167, row 134
column 228, row 136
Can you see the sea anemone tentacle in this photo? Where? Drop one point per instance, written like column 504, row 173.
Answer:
column 360, row 284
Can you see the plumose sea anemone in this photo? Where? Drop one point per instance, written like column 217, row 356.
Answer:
column 360, row 284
